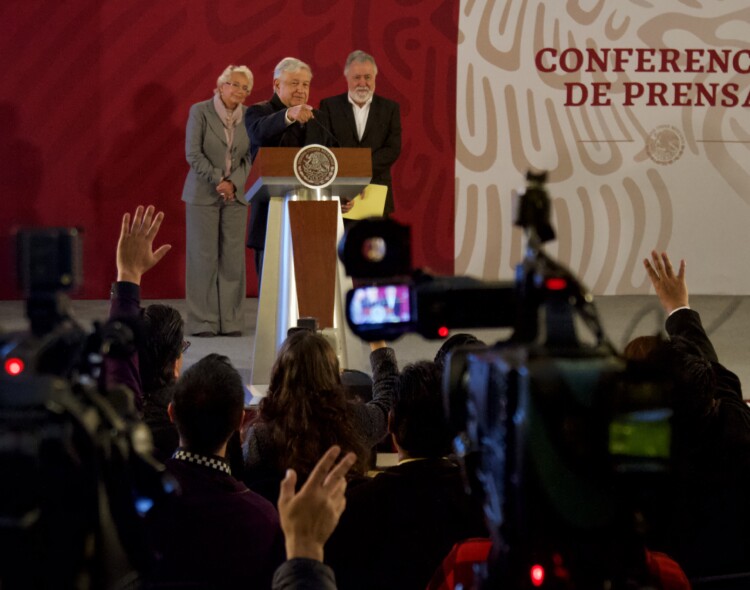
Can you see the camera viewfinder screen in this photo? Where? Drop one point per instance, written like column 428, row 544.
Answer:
column 646, row 434
column 384, row 304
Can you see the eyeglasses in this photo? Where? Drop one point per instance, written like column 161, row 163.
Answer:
column 185, row 346
column 237, row 86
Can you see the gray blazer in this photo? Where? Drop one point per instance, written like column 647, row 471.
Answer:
column 205, row 147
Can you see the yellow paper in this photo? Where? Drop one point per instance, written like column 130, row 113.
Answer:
column 371, row 205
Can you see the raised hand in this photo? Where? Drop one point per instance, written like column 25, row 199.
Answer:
column 670, row 288
column 309, row 516
column 135, row 254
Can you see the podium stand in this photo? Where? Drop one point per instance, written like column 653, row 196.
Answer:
column 302, row 276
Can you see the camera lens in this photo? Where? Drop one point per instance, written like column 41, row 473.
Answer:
column 373, row 249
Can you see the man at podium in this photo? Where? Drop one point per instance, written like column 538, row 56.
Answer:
column 287, row 120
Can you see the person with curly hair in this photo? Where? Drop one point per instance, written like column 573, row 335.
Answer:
column 306, row 411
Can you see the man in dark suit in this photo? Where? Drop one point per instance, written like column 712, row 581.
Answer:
column 398, row 527
column 287, row 120
column 360, row 118
column 710, row 511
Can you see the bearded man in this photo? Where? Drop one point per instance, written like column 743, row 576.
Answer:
column 361, row 118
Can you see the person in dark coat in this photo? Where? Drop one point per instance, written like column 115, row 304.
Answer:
column 710, row 513
column 361, row 118
column 286, row 120
column 397, row 528
column 306, row 410
column 308, row 518
column 152, row 369
column 215, row 533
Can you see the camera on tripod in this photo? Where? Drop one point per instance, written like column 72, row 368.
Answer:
column 569, row 445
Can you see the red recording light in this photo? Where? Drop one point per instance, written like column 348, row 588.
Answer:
column 14, row 366
column 537, row 575
column 556, row 284
column 443, row 331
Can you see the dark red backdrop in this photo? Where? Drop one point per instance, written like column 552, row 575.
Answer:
column 95, row 96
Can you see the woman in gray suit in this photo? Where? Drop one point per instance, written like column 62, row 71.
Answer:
column 217, row 148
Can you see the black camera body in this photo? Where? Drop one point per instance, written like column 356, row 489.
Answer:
column 377, row 253
column 429, row 306
column 569, row 445
column 78, row 473
column 569, row 450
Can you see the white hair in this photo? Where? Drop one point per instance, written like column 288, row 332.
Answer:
column 360, row 57
column 226, row 76
column 290, row 64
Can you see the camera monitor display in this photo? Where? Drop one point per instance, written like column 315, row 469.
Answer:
column 378, row 305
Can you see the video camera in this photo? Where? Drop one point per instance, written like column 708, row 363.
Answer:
column 569, row 445
column 78, row 474
column 395, row 299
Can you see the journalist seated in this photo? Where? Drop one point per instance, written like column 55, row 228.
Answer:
column 216, row 532
column 153, row 369
column 306, row 411
column 398, row 527
column 308, row 517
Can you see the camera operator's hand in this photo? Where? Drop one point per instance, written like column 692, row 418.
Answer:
column 309, row 516
column 135, row 254
column 671, row 289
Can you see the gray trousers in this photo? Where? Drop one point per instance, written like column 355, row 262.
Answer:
column 215, row 284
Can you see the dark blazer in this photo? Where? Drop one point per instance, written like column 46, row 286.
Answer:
column 369, row 419
column 215, row 534
column 301, row 572
column 266, row 125
column 382, row 134
column 710, row 506
column 397, row 528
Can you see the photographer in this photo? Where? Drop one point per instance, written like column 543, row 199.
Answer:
column 81, row 466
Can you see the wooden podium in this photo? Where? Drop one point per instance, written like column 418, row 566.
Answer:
column 302, row 276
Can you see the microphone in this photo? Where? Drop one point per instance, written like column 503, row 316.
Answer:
column 316, row 112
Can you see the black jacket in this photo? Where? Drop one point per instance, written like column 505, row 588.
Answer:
column 266, row 125
column 711, row 509
column 382, row 134
column 397, row 528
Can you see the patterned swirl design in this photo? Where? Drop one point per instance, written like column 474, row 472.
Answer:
column 618, row 189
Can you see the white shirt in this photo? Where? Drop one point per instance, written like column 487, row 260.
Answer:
column 360, row 115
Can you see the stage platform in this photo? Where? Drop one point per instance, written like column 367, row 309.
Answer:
column 726, row 318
